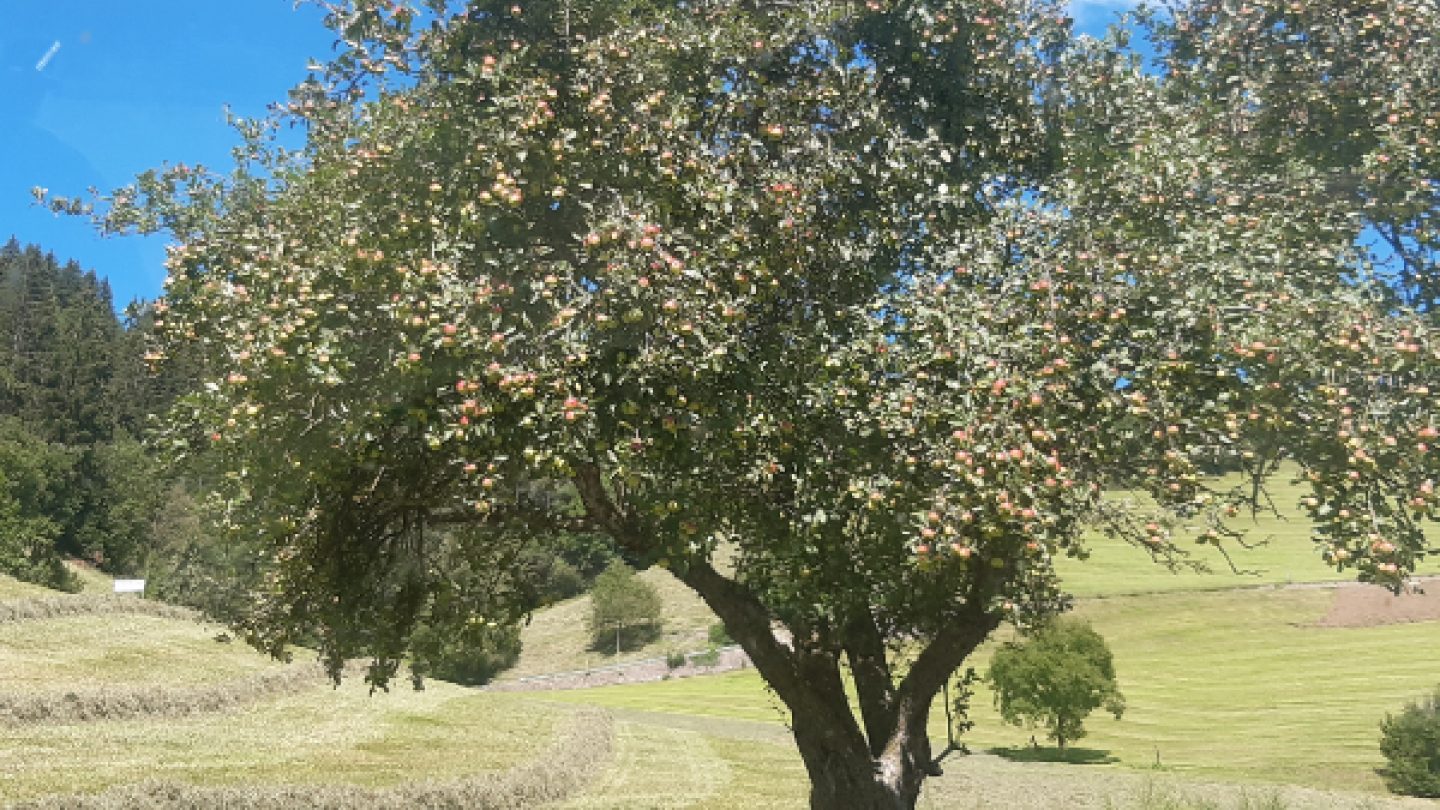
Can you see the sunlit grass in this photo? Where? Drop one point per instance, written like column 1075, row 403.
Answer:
column 345, row 735
column 76, row 652
column 12, row 588
column 1229, row 686
column 1281, row 551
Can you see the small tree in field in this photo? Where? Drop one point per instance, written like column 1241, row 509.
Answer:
column 1055, row 678
column 621, row 601
column 848, row 313
column 1411, row 745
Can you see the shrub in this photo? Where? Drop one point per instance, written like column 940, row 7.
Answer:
column 1055, row 678
column 719, row 636
column 709, row 658
column 1411, row 745
column 623, row 604
column 472, row 657
column 674, row 659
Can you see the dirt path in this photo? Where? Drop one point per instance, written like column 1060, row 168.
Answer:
column 1364, row 605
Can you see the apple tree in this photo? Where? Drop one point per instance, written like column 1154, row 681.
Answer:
column 880, row 297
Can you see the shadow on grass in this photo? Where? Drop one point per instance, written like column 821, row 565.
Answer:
column 1071, row 756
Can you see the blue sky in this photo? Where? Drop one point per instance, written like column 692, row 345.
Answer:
column 128, row 85
column 96, row 91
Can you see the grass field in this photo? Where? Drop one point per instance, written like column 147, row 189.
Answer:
column 11, row 588
column 1282, row 552
column 1247, row 704
column 1228, row 685
column 67, row 653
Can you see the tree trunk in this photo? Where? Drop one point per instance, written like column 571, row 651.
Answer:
column 843, row 773
column 881, row 767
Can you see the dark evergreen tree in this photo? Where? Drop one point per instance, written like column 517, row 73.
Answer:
column 75, row 394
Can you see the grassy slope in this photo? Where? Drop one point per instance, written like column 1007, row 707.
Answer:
column 92, row 580
column 12, row 588
column 91, row 651
column 322, row 735
column 556, row 639
column 1229, row 685
column 340, row 735
column 1284, row 552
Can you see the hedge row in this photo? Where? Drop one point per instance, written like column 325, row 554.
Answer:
column 582, row 753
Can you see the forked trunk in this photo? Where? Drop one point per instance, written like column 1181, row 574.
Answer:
column 879, row 767
column 844, row 774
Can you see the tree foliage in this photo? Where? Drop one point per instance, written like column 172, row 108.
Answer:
column 620, row 602
column 472, row 658
column 1411, row 745
column 73, row 394
column 880, row 297
column 1055, row 677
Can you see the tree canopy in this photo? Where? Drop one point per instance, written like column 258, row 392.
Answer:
column 1055, row 677
column 621, row 601
column 880, row 297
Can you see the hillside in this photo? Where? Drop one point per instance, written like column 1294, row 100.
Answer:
column 555, row 640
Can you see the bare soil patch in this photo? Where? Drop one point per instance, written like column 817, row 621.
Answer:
column 1371, row 605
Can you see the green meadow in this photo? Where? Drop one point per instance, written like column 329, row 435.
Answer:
column 1235, row 699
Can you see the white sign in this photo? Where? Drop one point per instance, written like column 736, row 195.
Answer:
column 130, row 586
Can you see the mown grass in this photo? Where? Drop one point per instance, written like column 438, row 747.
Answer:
column 1231, row 686
column 344, row 735
column 1282, row 552
column 82, row 652
column 583, row 751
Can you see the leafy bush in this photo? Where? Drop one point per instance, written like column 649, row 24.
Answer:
column 1411, row 745
column 1055, row 678
column 624, row 605
column 709, row 658
column 472, row 657
column 719, row 636
column 674, row 659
